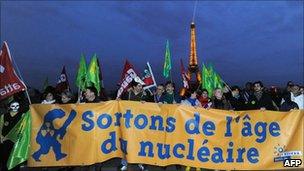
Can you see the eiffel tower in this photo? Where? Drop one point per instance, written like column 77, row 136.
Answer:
column 193, row 66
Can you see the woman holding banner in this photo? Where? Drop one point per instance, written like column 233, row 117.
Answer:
column 191, row 100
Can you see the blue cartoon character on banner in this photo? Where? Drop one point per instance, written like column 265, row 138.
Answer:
column 47, row 135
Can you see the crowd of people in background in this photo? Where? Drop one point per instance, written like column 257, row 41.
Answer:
column 254, row 96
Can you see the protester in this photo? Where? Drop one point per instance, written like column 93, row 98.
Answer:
column 226, row 91
column 17, row 106
column 236, row 100
column 203, row 98
column 91, row 95
column 260, row 98
column 67, row 97
column 170, row 96
column 288, row 104
column 159, row 94
column 247, row 92
column 49, row 96
column 191, row 99
column 103, row 96
column 34, row 94
column 302, row 90
column 275, row 95
column 135, row 93
column 297, row 96
column 219, row 101
column 289, row 86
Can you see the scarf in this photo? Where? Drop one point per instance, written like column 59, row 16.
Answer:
column 192, row 101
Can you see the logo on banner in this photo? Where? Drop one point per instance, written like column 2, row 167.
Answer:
column 281, row 155
column 47, row 136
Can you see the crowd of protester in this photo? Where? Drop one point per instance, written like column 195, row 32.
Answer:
column 254, row 96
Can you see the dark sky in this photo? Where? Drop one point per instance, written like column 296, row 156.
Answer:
column 245, row 41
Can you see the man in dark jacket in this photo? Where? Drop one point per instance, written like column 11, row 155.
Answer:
column 247, row 91
column 159, row 94
column 236, row 100
column 288, row 104
column 136, row 93
column 170, row 96
column 260, row 98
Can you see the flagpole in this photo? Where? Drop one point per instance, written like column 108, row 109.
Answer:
column 78, row 99
column 201, row 83
column 151, row 74
column 17, row 68
column 172, row 84
column 226, row 85
column 154, row 82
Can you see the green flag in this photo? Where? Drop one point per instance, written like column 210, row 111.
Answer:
column 216, row 79
column 207, row 82
column 211, row 79
column 82, row 73
column 20, row 135
column 218, row 83
column 167, row 64
column 93, row 73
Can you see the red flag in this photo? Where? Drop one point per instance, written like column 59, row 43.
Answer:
column 184, row 75
column 10, row 83
column 128, row 74
column 148, row 77
column 62, row 83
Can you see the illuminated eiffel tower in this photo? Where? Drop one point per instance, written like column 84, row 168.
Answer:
column 193, row 66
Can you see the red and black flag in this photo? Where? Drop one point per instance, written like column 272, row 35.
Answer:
column 62, row 83
column 127, row 76
column 10, row 83
column 185, row 79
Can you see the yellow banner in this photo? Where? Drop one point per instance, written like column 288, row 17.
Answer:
column 162, row 135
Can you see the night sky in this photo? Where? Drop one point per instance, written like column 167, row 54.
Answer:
column 245, row 41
